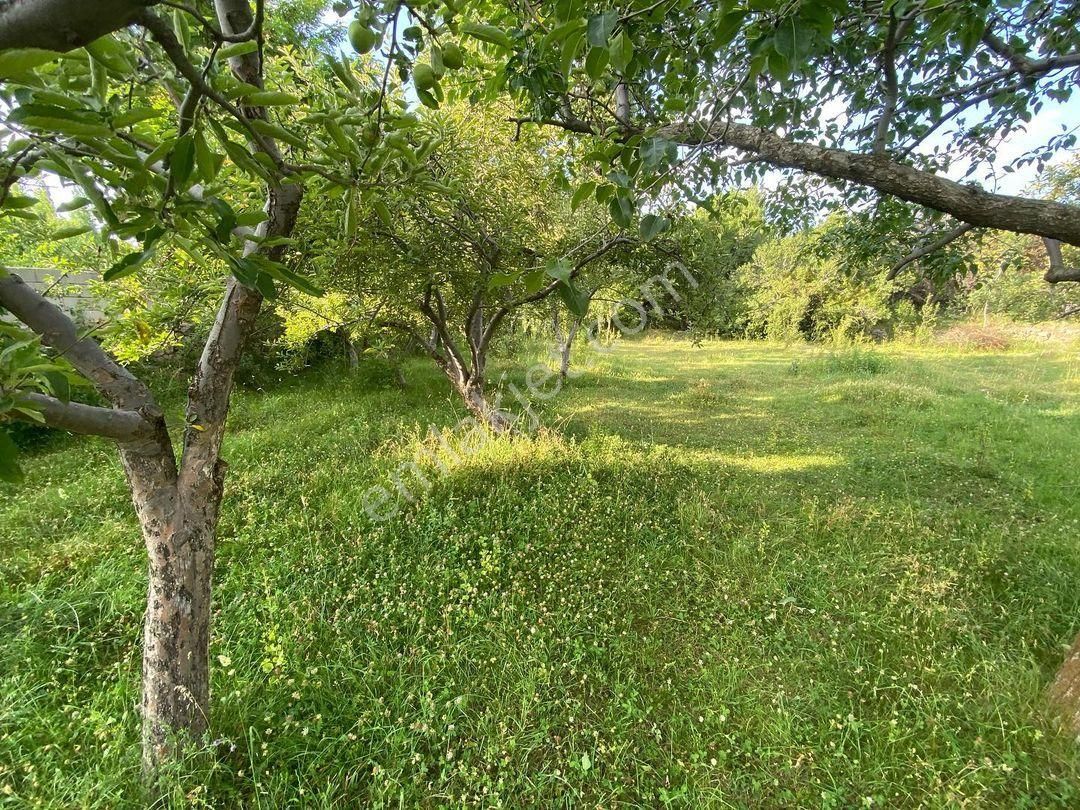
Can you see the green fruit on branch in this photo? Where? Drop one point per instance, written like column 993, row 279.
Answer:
column 361, row 37
column 424, row 77
column 452, row 57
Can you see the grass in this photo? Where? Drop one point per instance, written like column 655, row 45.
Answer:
column 729, row 575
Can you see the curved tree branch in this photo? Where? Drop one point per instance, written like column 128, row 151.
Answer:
column 61, row 25
column 927, row 248
column 59, row 332
column 968, row 203
column 1058, row 271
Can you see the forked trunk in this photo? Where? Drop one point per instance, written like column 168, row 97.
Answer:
column 473, row 394
column 1065, row 690
column 179, row 529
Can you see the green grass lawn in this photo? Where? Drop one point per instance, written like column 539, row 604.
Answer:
column 731, row 575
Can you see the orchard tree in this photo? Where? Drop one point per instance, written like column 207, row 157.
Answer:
column 491, row 229
column 173, row 127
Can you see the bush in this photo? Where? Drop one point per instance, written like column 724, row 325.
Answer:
column 801, row 291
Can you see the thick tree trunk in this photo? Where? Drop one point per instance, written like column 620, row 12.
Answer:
column 472, row 392
column 176, row 636
column 1065, row 690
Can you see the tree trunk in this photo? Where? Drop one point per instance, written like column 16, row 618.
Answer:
column 472, row 392
column 1065, row 690
column 352, row 359
column 176, row 637
column 565, row 345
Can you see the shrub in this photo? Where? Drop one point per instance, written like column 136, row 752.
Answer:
column 801, row 291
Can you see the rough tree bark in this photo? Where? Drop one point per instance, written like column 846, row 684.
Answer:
column 60, row 25
column 181, row 531
column 177, row 505
column 969, row 203
column 1064, row 692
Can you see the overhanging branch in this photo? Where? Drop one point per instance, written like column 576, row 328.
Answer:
column 61, row 25
column 109, row 423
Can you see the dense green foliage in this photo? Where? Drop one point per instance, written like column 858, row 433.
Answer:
column 783, row 576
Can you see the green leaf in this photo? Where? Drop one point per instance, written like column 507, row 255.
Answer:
column 622, row 51
column 622, row 210
column 21, row 60
column 584, row 191
column 500, row 280
column 207, row 160
column 238, row 49
column 651, row 226
column 9, row 466
column 596, row 62
column 182, row 161
column 559, row 269
column 383, row 213
column 600, row 27
column 657, row 151
column 729, row 26
column 284, row 274
column 134, row 116
column 427, row 99
column 110, row 53
column 271, row 130
column 270, row 98
column 17, row 202
column 487, row 33
column 575, row 298
column 226, row 219
column 535, row 281
column 133, row 261
column 73, row 205
column 570, row 49
column 126, row 266
column 60, row 385
column 69, row 232
column 351, row 219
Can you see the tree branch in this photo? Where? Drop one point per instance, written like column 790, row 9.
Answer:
column 891, row 89
column 1025, row 65
column 61, row 25
column 109, row 423
column 969, row 203
column 1058, row 271
column 929, row 247
column 59, row 332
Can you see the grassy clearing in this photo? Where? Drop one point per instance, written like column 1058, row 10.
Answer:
column 735, row 574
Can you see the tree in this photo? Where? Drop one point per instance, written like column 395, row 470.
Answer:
column 490, row 230
column 149, row 143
